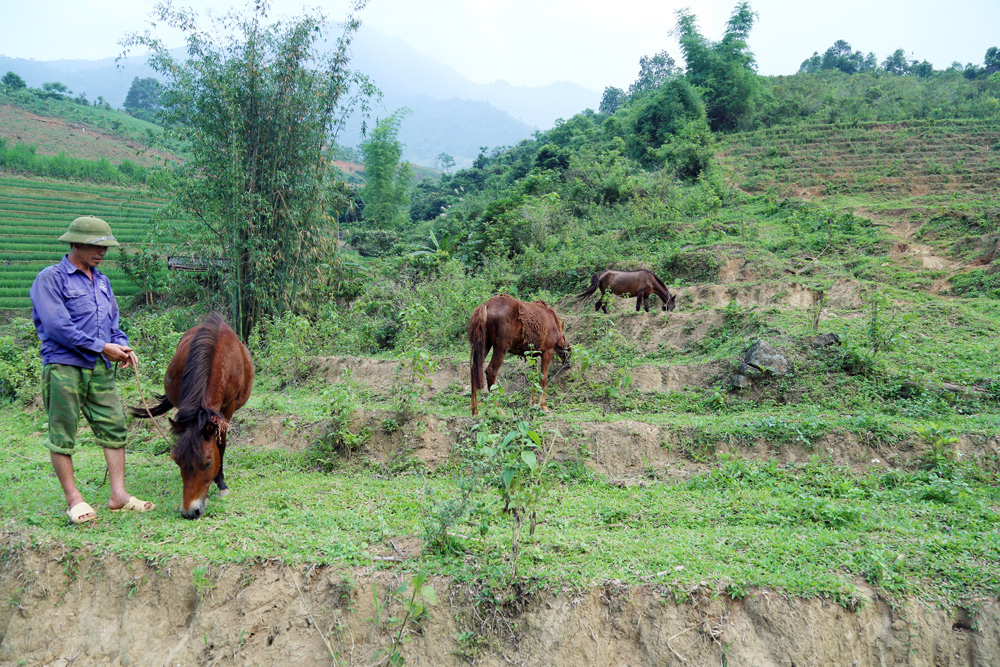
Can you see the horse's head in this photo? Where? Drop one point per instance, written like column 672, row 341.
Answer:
column 562, row 345
column 197, row 455
column 669, row 302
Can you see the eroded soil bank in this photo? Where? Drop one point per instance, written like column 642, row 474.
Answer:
column 76, row 608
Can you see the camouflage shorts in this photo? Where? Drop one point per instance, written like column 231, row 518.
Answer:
column 69, row 390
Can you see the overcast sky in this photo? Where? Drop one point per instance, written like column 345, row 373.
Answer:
column 595, row 43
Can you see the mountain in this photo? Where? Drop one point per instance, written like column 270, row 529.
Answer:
column 95, row 78
column 399, row 70
column 449, row 113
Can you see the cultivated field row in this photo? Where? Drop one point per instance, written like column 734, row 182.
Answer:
column 34, row 213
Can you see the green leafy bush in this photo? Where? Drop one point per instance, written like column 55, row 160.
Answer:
column 337, row 439
column 375, row 242
column 693, row 266
column 19, row 371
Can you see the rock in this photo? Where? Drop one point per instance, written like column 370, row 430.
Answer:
column 825, row 340
column 761, row 358
column 740, row 382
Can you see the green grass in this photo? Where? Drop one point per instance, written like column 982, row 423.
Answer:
column 811, row 530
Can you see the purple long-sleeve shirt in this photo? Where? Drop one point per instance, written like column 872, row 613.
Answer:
column 75, row 317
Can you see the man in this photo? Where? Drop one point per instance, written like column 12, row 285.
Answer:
column 76, row 317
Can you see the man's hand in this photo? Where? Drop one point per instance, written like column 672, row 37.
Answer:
column 121, row 353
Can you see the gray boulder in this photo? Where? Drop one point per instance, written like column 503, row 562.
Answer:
column 825, row 340
column 762, row 358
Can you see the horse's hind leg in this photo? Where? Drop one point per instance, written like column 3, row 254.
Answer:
column 602, row 303
column 638, row 303
column 220, row 479
column 544, row 380
column 475, row 400
column 494, row 367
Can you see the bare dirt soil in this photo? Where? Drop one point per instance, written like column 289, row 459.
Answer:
column 54, row 135
column 113, row 612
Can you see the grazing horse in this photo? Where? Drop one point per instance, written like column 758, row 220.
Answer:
column 507, row 325
column 209, row 378
column 639, row 283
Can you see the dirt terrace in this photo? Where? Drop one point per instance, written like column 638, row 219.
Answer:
column 138, row 613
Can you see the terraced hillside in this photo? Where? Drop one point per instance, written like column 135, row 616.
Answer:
column 916, row 161
column 933, row 184
column 680, row 503
column 35, row 212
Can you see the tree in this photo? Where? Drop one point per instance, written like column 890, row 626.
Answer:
column 446, row 162
column 841, row 58
column 664, row 114
column 724, row 71
column 991, row 62
column 896, row 63
column 387, row 181
column 13, row 81
column 922, row 69
column 654, row 71
column 55, row 90
column 144, row 94
column 258, row 105
column 611, row 100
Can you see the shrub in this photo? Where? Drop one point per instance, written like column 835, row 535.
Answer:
column 19, row 371
column 692, row 266
column 976, row 283
column 375, row 242
column 337, row 440
column 689, row 153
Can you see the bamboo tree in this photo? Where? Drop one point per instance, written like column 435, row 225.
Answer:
column 259, row 106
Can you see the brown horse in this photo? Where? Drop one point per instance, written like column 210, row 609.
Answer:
column 507, row 325
column 209, row 378
column 639, row 284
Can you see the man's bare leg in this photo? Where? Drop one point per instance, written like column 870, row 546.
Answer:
column 63, row 466
column 115, row 459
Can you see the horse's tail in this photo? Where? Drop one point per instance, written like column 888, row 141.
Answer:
column 161, row 408
column 477, row 341
column 595, row 281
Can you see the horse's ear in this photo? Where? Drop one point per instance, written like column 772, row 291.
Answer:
column 562, row 325
column 211, row 428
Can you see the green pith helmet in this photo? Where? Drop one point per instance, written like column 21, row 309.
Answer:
column 90, row 231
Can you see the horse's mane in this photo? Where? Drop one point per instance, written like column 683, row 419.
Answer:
column 192, row 414
column 659, row 282
column 533, row 319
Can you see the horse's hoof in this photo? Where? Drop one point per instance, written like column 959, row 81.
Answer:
column 223, row 493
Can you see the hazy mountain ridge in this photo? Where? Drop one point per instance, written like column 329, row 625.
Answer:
column 450, row 114
column 400, row 70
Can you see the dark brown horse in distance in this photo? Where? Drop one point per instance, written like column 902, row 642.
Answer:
column 507, row 325
column 639, row 284
column 209, row 378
